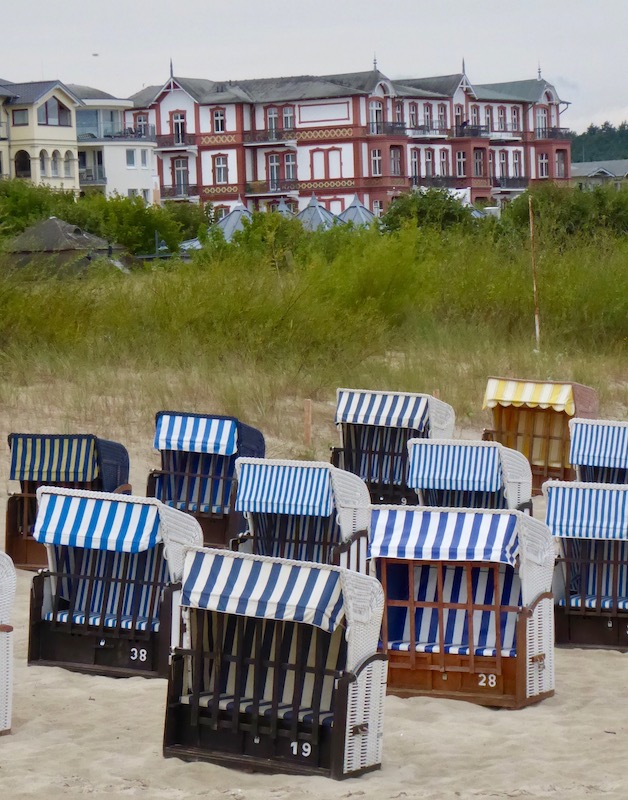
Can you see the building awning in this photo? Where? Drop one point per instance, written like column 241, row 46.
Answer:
column 599, row 443
column 429, row 534
column 587, row 510
column 53, row 458
column 253, row 586
column 194, row 433
column 535, row 394
column 459, row 467
column 271, row 487
column 385, row 409
column 72, row 517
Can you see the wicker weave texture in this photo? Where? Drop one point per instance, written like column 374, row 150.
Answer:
column 7, row 596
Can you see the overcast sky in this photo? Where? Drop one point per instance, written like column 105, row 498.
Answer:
column 122, row 45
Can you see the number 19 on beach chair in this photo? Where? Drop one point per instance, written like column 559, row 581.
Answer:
column 105, row 603
column 590, row 520
column 468, row 607
column 281, row 671
column 374, row 432
column 197, row 475
column 78, row 461
column 305, row 510
column 7, row 596
column 599, row 450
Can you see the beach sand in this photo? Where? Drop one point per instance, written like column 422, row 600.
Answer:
column 76, row 735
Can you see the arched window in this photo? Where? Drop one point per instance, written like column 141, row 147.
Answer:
column 67, row 164
column 43, row 163
column 22, row 164
column 54, row 164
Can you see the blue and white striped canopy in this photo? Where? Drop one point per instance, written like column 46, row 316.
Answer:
column 53, row 458
column 386, row 409
column 196, row 434
column 432, row 534
column 463, row 467
column 598, row 443
column 77, row 520
column 587, row 511
column 279, row 488
column 267, row 588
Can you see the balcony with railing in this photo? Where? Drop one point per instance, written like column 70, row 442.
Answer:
column 271, row 187
column 286, row 136
column 509, row 183
column 92, row 176
column 437, row 181
column 427, row 131
column 471, row 131
column 176, row 141
column 386, row 128
column 551, row 133
column 506, row 130
column 107, row 130
column 180, row 191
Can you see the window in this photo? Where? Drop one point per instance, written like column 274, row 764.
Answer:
column 399, row 113
column 52, row 112
column 427, row 115
column 376, row 162
column 290, row 166
column 543, row 165
column 178, row 127
column 442, row 116
column 395, row 161
column 413, row 115
column 131, row 193
column 54, row 164
column 43, row 158
column 144, row 157
column 221, row 169
column 272, row 119
column 181, row 176
column 503, row 164
column 378, row 207
column 22, row 164
column 376, row 117
column 541, row 122
column 475, row 115
column 20, row 116
column 515, row 119
column 491, row 164
column 220, row 212
column 459, row 116
column 561, row 164
column 478, row 163
column 219, row 120
column 488, row 118
column 429, row 163
column 274, row 173
column 444, row 162
column 516, row 164
column 501, row 118
column 130, row 158
column 288, row 117
column 67, row 164
column 141, row 124
column 461, row 164
column 146, row 195
column 415, row 163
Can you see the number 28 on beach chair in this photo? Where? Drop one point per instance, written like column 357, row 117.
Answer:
column 197, row 475
column 305, row 510
column 599, row 450
column 281, row 671
column 77, row 461
column 7, row 596
column 467, row 474
column 533, row 417
column 590, row 520
column 468, row 607
column 105, row 603
column 374, row 432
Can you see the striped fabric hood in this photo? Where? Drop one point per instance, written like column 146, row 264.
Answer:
column 299, row 488
column 385, row 409
column 195, row 433
column 461, row 466
column 586, row 510
column 599, row 443
column 53, row 458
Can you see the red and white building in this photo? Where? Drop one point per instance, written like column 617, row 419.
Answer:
column 338, row 135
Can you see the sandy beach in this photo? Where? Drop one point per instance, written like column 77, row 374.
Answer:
column 76, row 735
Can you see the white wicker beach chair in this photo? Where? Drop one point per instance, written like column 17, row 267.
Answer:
column 599, row 450
column 468, row 474
column 7, row 597
column 280, row 672
column 468, row 605
column 105, row 603
column 306, row 510
column 374, row 431
column 590, row 521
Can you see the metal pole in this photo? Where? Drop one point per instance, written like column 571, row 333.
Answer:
column 537, row 323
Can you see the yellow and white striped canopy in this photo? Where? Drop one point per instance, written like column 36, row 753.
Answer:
column 503, row 392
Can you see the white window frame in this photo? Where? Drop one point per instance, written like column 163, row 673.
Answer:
column 376, row 163
column 130, row 159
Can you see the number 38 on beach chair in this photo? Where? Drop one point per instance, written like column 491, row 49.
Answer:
column 304, row 510
column 468, row 607
column 197, row 475
column 590, row 520
column 105, row 603
column 280, row 672
column 466, row 474
column 78, row 461
column 374, row 432
column 7, row 596
column 599, row 450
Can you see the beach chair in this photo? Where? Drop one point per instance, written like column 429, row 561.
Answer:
column 104, row 605
column 305, row 510
column 468, row 609
column 75, row 461
column 590, row 521
column 455, row 473
column 7, row 596
column 374, row 431
column 533, row 418
column 280, row 671
column 197, row 475
column 599, row 450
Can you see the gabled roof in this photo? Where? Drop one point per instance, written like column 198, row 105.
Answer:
column 29, row 93
column 529, row 91
column 55, row 236
column 361, row 82
column 614, row 168
column 145, row 96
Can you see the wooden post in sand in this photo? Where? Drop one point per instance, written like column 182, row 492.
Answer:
column 307, row 423
column 537, row 323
